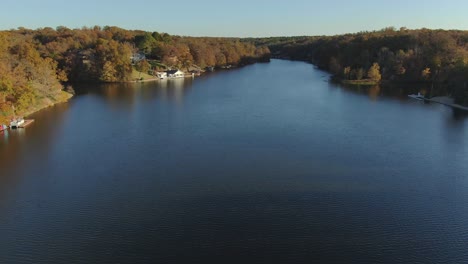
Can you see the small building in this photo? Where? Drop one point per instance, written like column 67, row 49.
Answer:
column 136, row 57
column 162, row 75
column 175, row 74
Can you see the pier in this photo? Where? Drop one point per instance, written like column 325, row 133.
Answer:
column 26, row 123
column 445, row 100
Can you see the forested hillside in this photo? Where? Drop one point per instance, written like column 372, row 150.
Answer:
column 34, row 64
column 28, row 80
column 438, row 57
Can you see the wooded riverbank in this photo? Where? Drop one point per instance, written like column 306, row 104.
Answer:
column 438, row 57
column 34, row 64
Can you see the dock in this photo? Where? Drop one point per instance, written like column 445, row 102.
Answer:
column 417, row 97
column 444, row 100
column 26, row 123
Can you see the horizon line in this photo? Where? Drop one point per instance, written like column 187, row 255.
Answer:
column 243, row 37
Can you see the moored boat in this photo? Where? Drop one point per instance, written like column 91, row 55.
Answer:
column 418, row 96
column 16, row 123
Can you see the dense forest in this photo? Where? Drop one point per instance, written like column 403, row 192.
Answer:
column 436, row 57
column 35, row 64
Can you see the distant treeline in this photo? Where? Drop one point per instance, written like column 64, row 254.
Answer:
column 437, row 57
column 35, row 63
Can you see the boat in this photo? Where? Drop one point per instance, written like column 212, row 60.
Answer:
column 3, row 127
column 16, row 123
column 418, row 96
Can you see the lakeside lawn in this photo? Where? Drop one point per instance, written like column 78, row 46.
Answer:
column 360, row 82
column 136, row 75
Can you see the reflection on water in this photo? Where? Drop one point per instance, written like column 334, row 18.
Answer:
column 388, row 90
column 459, row 114
column 175, row 89
column 374, row 92
column 4, row 134
column 400, row 92
column 127, row 94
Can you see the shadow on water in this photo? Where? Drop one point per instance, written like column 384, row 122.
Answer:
column 394, row 91
column 389, row 91
column 459, row 114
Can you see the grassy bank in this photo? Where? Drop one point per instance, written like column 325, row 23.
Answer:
column 40, row 103
column 360, row 82
column 137, row 76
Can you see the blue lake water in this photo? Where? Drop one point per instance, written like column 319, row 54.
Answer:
column 269, row 163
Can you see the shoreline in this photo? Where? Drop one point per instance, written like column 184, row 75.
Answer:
column 446, row 100
column 65, row 97
column 366, row 82
column 157, row 79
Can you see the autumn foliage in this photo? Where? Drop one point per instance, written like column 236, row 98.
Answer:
column 437, row 57
column 35, row 63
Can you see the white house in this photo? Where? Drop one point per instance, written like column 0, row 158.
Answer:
column 175, row 74
column 162, row 75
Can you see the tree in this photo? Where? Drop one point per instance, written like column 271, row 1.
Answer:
column 334, row 66
column 399, row 69
column 157, row 36
column 108, row 73
column 143, row 66
column 426, row 73
column 347, row 72
column 374, row 72
column 220, row 59
column 358, row 74
column 145, row 43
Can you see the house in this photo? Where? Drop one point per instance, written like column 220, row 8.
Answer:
column 175, row 74
column 136, row 57
column 162, row 75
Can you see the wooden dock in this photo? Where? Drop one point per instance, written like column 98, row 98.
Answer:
column 26, row 123
column 445, row 100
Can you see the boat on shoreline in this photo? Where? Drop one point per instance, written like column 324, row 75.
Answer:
column 418, row 96
column 16, row 123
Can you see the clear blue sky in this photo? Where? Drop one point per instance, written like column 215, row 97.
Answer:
column 241, row 18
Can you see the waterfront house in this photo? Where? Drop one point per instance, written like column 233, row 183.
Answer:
column 175, row 74
column 162, row 75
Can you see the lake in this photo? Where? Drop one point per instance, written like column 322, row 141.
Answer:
column 269, row 163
